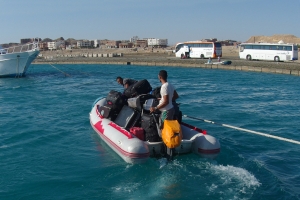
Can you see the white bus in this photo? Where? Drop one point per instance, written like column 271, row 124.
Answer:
column 268, row 51
column 198, row 49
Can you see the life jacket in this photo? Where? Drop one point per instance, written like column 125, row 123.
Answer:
column 171, row 133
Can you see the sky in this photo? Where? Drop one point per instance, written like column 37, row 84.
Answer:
column 177, row 21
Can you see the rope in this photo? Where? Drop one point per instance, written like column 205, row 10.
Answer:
column 60, row 70
column 246, row 130
column 77, row 70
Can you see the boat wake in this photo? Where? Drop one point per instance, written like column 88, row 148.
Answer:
column 190, row 178
column 230, row 174
column 162, row 162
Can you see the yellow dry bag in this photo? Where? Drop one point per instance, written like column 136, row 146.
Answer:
column 171, row 133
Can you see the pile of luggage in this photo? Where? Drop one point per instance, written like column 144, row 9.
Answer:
column 131, row 110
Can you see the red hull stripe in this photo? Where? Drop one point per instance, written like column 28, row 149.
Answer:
column 194, row 128
column 125, row 153
column 208, row 151
column 115, row 126
column 98, row 126
column 120, row 129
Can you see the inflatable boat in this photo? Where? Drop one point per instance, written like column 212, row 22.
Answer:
column 118, row 132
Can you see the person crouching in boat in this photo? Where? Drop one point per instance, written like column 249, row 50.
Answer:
column 125, row 82
column 168, row 94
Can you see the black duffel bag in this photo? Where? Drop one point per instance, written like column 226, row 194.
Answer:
column 140, row 87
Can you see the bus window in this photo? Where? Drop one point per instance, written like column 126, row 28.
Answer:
column 210, row 45
column 280, row 48
column 274, row 47
column 241, row 48
column 178, row 47
column 248, row 46
column 289, row 48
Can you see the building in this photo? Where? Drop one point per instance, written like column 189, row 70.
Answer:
column 134, row 39
column 29, row 40
column 84, row 43
column 112, row 44
column 92, row 43
column 125, row 45
column 157, row 42
column 43, row 46
column 97, row 43
column 56, row 45
column 68, row 47
column 141, row 43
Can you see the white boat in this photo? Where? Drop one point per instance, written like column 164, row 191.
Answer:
column 134, row 150
column 14, row 61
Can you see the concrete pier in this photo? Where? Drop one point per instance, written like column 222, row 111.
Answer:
column 118, row 59
column 221, row 67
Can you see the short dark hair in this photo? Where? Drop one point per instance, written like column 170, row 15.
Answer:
column 163, row 74
column 119, row 77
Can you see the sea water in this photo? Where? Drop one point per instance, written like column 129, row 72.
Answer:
column 48, row 149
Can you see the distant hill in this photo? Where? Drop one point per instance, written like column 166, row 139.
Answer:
column 275, row 39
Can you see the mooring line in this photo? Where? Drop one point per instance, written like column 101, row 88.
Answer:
column 246, row 130
column 60, row 70
column 77, row 70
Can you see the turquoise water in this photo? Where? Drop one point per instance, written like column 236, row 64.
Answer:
column 48, row 149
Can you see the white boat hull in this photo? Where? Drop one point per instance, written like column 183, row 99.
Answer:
column 133, row 150
column 16, row 64
column 127, row 146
